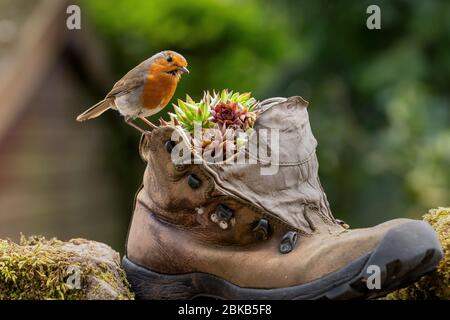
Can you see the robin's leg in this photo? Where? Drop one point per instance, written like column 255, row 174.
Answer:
column 151, row 125
column 129, row 121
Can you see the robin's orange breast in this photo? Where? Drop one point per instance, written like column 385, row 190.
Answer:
column 158, row 89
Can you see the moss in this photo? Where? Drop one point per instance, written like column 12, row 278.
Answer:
column 37, row 268
column 435, row 285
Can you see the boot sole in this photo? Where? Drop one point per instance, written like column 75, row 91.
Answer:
column 403, row 255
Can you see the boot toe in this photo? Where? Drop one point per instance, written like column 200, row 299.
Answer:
column 407, row 251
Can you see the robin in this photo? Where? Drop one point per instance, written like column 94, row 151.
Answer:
column 143, row 91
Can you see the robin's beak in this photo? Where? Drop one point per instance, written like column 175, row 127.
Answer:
column 183, row 69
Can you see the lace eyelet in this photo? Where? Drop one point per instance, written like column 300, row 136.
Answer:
column 261, row 230
column 170, row 145
column 222, row 216
column 194, row 182
column 288, row 242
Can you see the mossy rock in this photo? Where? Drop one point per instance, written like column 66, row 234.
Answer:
column 435, row 285
column 37, row 268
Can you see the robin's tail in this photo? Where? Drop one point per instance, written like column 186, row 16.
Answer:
column 96, row 110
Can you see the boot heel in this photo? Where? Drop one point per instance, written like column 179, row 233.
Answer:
column 150, row 285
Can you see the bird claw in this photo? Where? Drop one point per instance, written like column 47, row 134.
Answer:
column 149, row 123
column 129, row 122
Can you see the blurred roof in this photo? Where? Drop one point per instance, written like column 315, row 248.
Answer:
column 32, row 35
column 13, row 15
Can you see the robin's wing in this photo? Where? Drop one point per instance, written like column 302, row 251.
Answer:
column 132, row 80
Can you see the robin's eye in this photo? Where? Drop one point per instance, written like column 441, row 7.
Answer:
column 169, row 59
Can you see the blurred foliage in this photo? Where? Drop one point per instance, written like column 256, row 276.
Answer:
column 225, row 42
column 379, row 103
column 379, row 99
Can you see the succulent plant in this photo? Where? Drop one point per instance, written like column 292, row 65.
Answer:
column 219, row 115
column 245, row 100
column 190, row 113
column 215, row 142
column 234, row 110
column 231, row 115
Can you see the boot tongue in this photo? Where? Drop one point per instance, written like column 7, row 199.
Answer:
column 284, row 181
column 283, row 129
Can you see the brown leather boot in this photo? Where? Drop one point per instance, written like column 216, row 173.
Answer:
column 228, row 231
